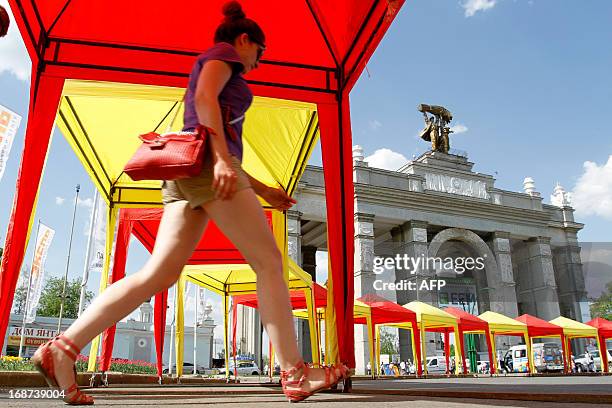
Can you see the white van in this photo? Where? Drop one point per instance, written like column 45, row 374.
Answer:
column 547, row 357
column 515, row 360
column 436, row 365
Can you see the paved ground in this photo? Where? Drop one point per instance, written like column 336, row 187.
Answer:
column 382, row 393
column 321, row 400
column 549, row 385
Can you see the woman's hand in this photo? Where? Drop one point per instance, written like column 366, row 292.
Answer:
column 224, row 179
column 277, row 198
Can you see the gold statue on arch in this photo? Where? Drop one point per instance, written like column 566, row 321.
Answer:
column 436, row 128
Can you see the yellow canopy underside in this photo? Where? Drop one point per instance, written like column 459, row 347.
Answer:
column 239, row 279
column 360, row 309
column 573, row 328
column 500, row 324
column 102, row 120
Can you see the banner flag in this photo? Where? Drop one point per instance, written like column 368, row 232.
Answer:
column 43, row 241
column 9, row 123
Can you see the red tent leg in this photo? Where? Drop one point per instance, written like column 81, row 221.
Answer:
column 336, row 147
column 417, row 346
column 159, row 327
column 121, row 247
column 492, row 362
column 447, row 351
column 462, row 348
column 43, row 108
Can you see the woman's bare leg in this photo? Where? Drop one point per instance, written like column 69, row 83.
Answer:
column 242, row 220
column 180, row 231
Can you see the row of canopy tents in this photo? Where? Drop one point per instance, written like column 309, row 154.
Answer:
column 310, row 302
column 106, row 72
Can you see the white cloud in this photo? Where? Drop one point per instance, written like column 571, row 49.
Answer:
column 374, row 125
column 15, row 59
column 59, row 200
column 592, row 194
column 85, row 202
column 386, row 159
column 471, row 7
column 459, row 128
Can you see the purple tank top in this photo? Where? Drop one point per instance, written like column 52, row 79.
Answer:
column 236, row 94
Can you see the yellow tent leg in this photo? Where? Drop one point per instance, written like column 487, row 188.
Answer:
column 110, row 235
column 423, row 348
column 332, row 355
column 272, row 363
column 569, row 355
column 459, row 360
column 279, row 220
column 225, row 334
column 529, row 353
column 414, row 352
column 180, row 325
column 493, row 351
column 314, row 345
column 319, row 334
column 377, row 348
column 371, row 339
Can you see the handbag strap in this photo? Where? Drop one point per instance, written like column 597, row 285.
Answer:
column 178, row 109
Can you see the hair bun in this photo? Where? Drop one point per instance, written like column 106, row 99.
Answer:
column 232, row 10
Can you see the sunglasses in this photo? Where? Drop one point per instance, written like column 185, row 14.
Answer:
column 260, row 49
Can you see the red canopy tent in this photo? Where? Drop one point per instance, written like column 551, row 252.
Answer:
column 297, row 298
column 317, row 50
column 213, row 248
column 468, row 323
column 384, row 311
column 541, row 328
column 604, row 331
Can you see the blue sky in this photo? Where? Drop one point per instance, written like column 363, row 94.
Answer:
column 527, row 81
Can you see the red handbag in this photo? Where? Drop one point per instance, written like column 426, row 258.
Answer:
column 169, row 156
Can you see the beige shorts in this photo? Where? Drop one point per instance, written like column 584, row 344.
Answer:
column 198, row 190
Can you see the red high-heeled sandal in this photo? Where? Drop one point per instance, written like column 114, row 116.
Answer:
column 295, row 395
column 44, row 364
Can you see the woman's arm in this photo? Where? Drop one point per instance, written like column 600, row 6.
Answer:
column 259, row 187
column 276, row 197
column 213, row 78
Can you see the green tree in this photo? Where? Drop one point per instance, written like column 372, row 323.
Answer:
column 388, row 341
column 602, row 306
column 19, row 298
column 1, row 252
column 50, row 299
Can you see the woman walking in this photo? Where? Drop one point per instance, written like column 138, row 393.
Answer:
column 217, row 97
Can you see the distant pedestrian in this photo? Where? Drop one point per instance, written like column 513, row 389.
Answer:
column 590, row 362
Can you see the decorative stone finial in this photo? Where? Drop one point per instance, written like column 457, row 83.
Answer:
column 529, row 187
column 560, row 197
column 358, row 153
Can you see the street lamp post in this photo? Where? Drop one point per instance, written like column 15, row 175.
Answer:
column 76, row 200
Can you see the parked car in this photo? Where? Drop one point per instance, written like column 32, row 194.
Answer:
column 581, row 364
column 244, row 368
column 187, row 369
